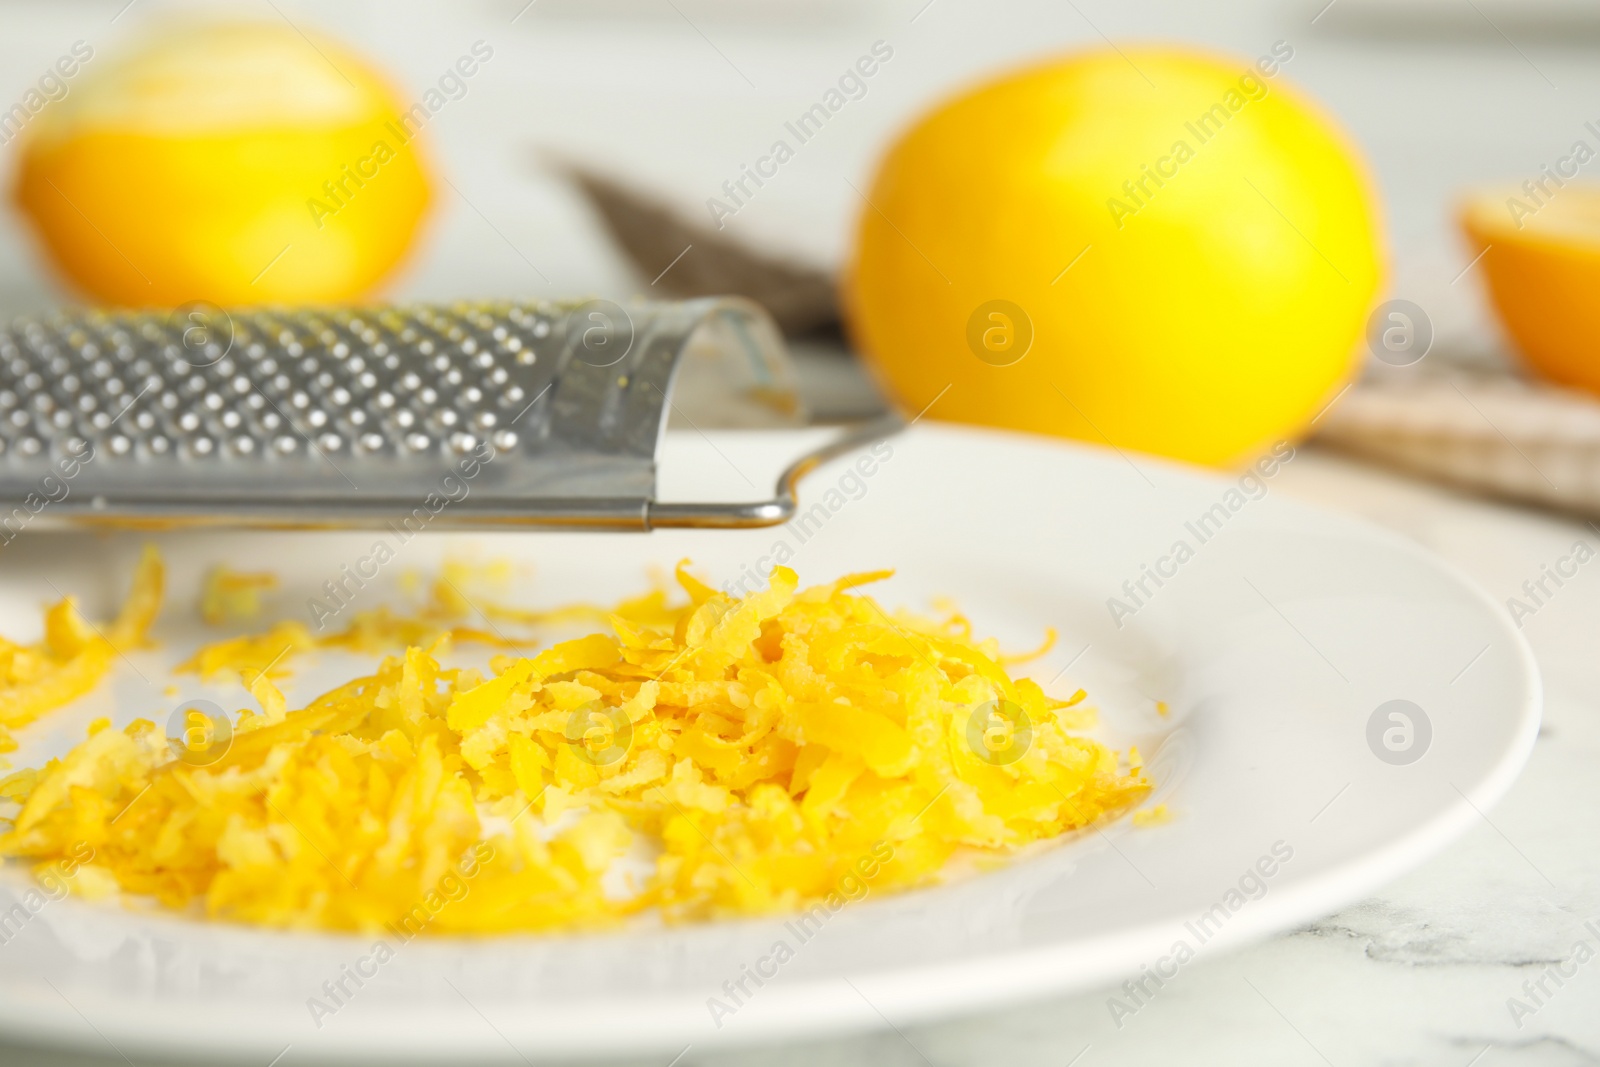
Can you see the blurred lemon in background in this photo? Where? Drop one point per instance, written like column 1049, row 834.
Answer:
column 236, row 163
column 1541, row 258
column 1166, row 250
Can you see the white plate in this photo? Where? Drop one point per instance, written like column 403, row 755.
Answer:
column 1273, row 646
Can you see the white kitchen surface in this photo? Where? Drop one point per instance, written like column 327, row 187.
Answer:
column 678, row 94
column 1421, row 972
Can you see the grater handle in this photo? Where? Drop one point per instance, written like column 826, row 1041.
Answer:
column 785, row 498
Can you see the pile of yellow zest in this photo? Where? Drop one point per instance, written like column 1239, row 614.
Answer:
column 748, row 756
column 73, row 655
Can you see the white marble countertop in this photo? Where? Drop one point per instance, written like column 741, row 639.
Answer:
column 1422, row 972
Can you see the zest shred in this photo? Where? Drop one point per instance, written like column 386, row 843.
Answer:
column 379, row 630
column 752, row 751
column 226, row 594
column 74, row 654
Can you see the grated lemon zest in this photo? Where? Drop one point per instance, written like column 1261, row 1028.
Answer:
column 762, row 751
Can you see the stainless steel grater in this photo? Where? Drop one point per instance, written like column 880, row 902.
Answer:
column 353, row 417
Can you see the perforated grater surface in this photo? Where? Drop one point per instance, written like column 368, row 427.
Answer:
column 353, row 417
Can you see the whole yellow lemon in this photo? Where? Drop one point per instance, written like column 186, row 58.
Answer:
column 1166, row 251
column 236, row 163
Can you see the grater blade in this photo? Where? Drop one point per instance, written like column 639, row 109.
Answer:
column 357, row 417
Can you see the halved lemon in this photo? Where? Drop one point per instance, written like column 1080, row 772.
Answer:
column 1541, row 260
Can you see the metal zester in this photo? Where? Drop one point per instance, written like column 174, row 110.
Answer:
column 351, row 417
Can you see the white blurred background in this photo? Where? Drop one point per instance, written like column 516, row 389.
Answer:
column 674, row 95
